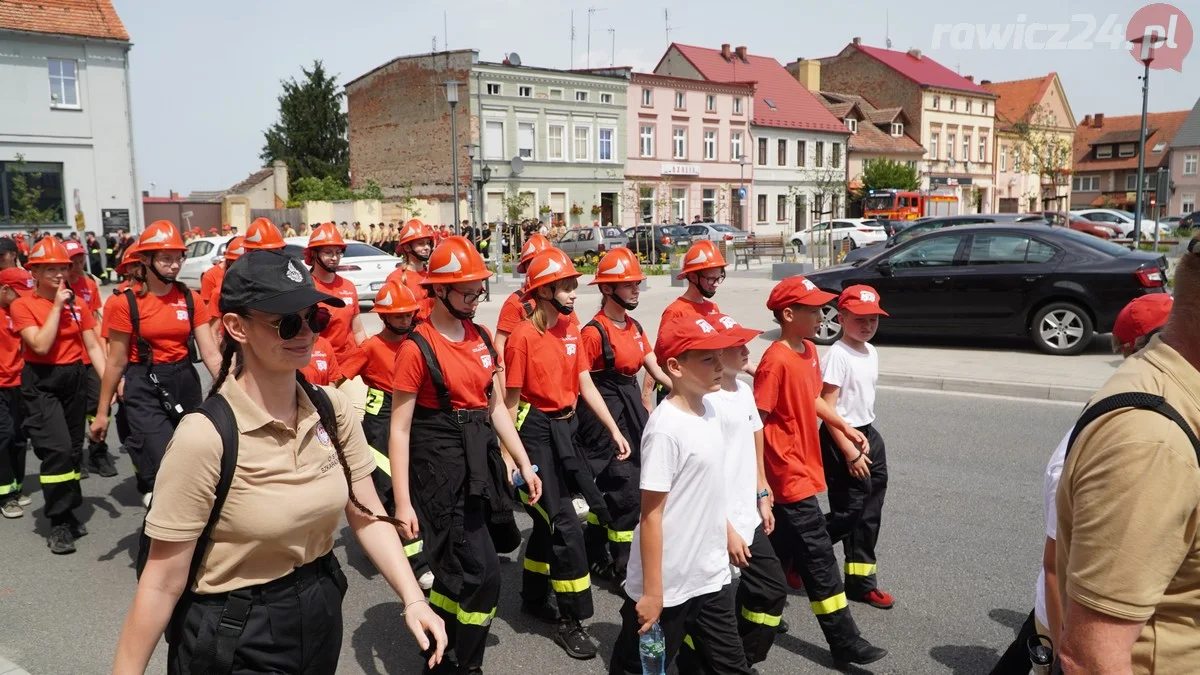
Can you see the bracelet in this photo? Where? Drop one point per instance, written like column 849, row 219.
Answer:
column 860, row 456
column 764, row 494
column 414, row 602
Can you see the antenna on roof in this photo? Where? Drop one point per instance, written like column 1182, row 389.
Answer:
column 572, row 39
column 590, row 12
column 612, row 32
column 435, row 43
column 667, row 22
column 445, row 31
column 887, row 30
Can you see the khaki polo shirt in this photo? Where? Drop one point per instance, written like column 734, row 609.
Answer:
column 287, row 496
column 1129, row 514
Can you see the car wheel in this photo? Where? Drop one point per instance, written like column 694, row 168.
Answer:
column 830, row 329
column 589, row 253
column 853, row 244
column 1062, row 329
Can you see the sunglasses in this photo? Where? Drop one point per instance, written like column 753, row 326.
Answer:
column 288, row 326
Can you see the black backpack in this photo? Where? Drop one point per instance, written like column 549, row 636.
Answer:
column 1132, row 399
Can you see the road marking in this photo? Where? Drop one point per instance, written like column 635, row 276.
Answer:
column 1019, row 399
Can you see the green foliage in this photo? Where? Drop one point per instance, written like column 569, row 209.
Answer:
column 516, row 203
column 309, row 189
column 885, row 174
column 310, row 135
column 25, row 196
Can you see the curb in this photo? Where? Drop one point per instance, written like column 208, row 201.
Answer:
column 1046, row 392
column 9, row 668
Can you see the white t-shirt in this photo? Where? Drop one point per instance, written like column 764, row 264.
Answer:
column 1050, row 499
column 857, row 374
column 739, row 421
column 684, row 455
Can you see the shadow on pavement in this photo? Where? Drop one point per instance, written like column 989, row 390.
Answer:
column 125, row 493
column 127, row 545
column 377, row 641
column 965, row 659
column 818, row 654
column 1009, row 618
column 355, row 556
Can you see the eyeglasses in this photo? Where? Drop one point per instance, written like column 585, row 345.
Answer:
column 470, row 297
column 288, row 326
column 713, row 279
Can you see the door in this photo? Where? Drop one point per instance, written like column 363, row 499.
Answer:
column 1002, row 270
column 569, row 243
column 917, row 283
column 736, row 208
column 608, row 202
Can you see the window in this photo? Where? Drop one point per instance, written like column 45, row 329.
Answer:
column 801, row 153
column 999, row 249
column 1103, row 151
column 44, row 176
column 737, row 105
column 928, row 252
column 556, row 94
column 912, row 164
column 1149, row 181
column 937, row 102
column 762, row 208
column 897, row 129
column 953, row 101
column 525, row 92
column 1126, row 150
column 680, row 100
column 679, row 143
column 1189, row 163
column 647, row 141
column 647, row 96
column 646, row 204
column 983, row 107
column 1188, row 202
column 679, row 204
column 837, row 156
column 64, row 83
column 1017, row 165
column 950, row 147
column 525, row 143
column 782, row 152
column 495, row 140
column 708, row 204
column 1004, row 158
column 606, row 98
column 710, row 103
column 819, row 147
column 781, row 208
column 1159, row 147
column 710, row 145
column 933, row 146
column 581, row 96
column 851, row 124
column 554, row 141
column 606, row 145
column 735, row 146
column 983, row 148
column 762, row 152
column 966, row 147
column 1086, row 184
column 583, row 144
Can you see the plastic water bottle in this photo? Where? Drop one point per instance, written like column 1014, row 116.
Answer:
column 518, row 481
column 653, row 649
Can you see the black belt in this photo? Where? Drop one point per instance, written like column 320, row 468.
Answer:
column 461, row 416
column 613, row 376
column 561, row 414
column 264, row 594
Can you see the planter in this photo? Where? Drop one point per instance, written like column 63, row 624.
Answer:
column 682, row 283
column 781, row 271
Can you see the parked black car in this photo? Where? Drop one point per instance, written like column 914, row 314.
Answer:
column 923, row 225
column 667, row 240
column 1058, row 286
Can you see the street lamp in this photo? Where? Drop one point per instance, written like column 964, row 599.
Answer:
column 742, row 191
column 1147, row 55
column 452, row 99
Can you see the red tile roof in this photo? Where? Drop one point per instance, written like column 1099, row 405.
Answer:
column 1018, row 98
column 83, row 18
column 924, row 70
column 1160, row 128
column 795, row 106
column 871, row 138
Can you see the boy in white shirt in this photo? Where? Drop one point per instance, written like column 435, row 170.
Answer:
column 678, row 573
column 857, row 482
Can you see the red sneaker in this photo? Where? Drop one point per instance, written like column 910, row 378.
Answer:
column 877, row 598
column 793, row 580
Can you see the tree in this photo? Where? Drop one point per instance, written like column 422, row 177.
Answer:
column 881, row 174
column 1043, row 150
column 516, row 203
column 25, row 195
column 328, row 189
column 310, row 135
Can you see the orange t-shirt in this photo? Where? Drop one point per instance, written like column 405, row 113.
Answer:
column 323, row 368
column 466, row 367
column 786, row 386
column 87, row 292
column 413, row 280
column 68, row 344
column 11, row 362
column 629, row 346
column 681, row 307
column 340, row 332
column 544, row 366
column 381, row 362
column 210, row 286
column 163, row 322
column 512, row 313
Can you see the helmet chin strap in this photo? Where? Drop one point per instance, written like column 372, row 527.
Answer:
column 161, row 277
column 562, row 309
column 327, row 268
column 400, row 331
column 621, row 302
column 695, row 279
column 456, row 313
column 423, row 258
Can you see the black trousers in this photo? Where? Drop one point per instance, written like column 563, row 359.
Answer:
column 55, row 401
column 707, row 621
column 801, row 536
column 150, row 428
column 12, row 442
column 555, row 555
column 468, row 614
column 1015, row 660
column 377, row 422
column 294, row 625
column 856, row 508
column 95, row 449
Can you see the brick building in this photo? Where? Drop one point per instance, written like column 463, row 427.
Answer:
column 1106, row 157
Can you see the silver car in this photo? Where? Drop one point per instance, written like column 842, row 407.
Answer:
column 586, row 241
column 717, row 232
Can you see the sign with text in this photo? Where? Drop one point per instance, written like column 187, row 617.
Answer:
column 680, row 170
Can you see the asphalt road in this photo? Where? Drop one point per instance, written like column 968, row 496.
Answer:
column 959, row 549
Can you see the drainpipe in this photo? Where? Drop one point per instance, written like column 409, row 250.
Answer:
column 136, row 224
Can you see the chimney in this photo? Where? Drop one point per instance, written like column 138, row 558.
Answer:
column 970, row 78
column 1087, row 121
column 857, row 40
column 145, row 194
column 1098, row 121
column 985, row 82
column 174, row 195
column 915, row 53
column 725, row 53
column 808, row 73
column 741, row 54
column 280, row 182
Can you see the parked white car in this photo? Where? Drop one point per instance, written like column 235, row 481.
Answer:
column 202, row 254
column 364, row 265
column 859, row 231
column 1123, row 221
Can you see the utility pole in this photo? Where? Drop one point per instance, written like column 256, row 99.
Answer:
column 1146, row 57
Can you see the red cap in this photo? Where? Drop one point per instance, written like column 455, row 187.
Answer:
column 74, row 248
column 685, row 333
column 17, row 278
column 1144, row 315
column 862, row 300
column 727, row 325
column 797, row 291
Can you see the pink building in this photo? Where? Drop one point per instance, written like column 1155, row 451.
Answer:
column 686, row 138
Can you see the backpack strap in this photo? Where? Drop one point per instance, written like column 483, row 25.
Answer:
column 435, row 370
column 324, row 406
column 145, row 354
column 606, row 350
column 193, row 350
column 1137, row 400
column 487, row 342
column 218, row 411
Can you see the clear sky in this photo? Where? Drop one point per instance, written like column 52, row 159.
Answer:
column 206, row 74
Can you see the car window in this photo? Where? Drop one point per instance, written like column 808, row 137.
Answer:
column 1040, row 252
column 998, row 249
column 199, row 248
column 673, row 230
column 724, row 228
column 1095, row 243
column 820, row 227
column 697, row 230
column 584, row 235
column 360, row 250
column 568, row 236
column 931, row 252
column 612, row 233
column 842, row 225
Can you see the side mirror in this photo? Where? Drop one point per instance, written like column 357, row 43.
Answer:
column 884, row 267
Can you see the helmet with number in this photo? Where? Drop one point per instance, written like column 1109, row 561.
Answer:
column 703, row 255
column 533, row 246
column 48, row 251
column 548, row 267
column 327, row 234
column 262, row 235
column 617, row 267
column 395, row 298
column 235, row 249
column 161, row 235
column 415, row 230
column 73, row 248
column 455, row 260
column 128, row 260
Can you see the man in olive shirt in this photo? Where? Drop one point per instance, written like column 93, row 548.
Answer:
column 1129, row 513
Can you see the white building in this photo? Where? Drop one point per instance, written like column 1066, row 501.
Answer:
column 65, row 108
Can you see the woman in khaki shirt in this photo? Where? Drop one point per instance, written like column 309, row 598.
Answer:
column 268, row 591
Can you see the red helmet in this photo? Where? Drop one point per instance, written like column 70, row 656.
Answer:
column 703, row 255
column 395, row 298
column 235, row 248
column 548, row 267
column 415, row 230
column 453, row 261
column 161, row 235
column 326, row 234
column 130, row 258
column 48, row 251
column 262, row 235
column 533, row 246
column 73, row 248
column 618, row 266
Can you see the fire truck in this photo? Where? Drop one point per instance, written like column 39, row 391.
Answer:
column 907, row 204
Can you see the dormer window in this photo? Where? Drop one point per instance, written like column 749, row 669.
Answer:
column 851, row 124
column 1126, row 150
column 897, row 129
column 1103, row 151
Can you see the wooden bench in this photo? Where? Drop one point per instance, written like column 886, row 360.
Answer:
column 771, row 246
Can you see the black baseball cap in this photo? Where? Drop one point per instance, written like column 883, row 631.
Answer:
column 271, row 282
column 7, row 245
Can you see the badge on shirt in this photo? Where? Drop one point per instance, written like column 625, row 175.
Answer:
column 181, row 314
column 322, row 435
column 486, row 360
column 570, row 349
column 322, row 367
